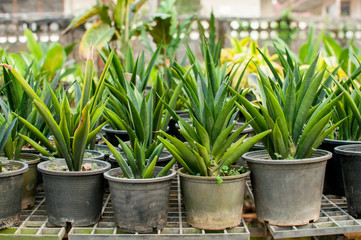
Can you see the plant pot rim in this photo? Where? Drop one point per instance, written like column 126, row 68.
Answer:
column 23, row 169
column 33, row 158
column 336, row 141
column 349, row 150
column 181, row 173
column 86, row 150
column 109, row 128
column 42, row 168
column 262, row 157
column 108, row 175
column 248, row 129
column 101, row 155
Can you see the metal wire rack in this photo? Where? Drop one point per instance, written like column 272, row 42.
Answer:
column 334, row 220
column 34, row 224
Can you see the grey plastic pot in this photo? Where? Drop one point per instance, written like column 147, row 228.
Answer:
column 248, row 130
column 140, row 205
column 73, row 197
column 287, row 192
column 333, row 178
column 10, row 191
column 210, row 205
column 30, row 179
column 350, row 156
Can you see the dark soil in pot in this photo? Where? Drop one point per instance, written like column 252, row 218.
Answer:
column 210, row 205
column 73, row 197
column 11, row 184
column 350, row 156
column 333, row 179
column 111, row 134
column 287, row 192
column 140, row 205
column 30, row 180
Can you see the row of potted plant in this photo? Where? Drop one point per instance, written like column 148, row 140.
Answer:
column 292, row 120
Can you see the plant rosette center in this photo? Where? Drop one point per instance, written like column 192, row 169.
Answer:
column 226, row 171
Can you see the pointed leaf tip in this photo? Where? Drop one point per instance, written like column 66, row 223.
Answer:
column 6, row 66
column 91, row 53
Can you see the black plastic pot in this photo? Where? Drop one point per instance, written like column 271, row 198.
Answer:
column 111, row 134
column 30, row 179
column 73, row 197
column 287, row 192
column 350, row 156
column 105, row 150
column 333, row 178
column 140, row 205
column 210, row 205
column 11, row 184
column 94, row 154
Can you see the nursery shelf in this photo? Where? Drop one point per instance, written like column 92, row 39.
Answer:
column 176, row 228
column 34, row 224
column 334, row 220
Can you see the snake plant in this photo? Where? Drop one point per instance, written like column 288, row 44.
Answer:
column 142, row 116
column 348, row 108
column 299, row 125
column 210, row 143
column 76, row 127
column 20, row 104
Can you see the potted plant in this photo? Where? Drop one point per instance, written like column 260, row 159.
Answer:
column 139, row 190
column 212, row 187
column 19, row 103
column 346, row 133
column 11, row 182
column 291, row 163
column 73, row 175
column 133, row 72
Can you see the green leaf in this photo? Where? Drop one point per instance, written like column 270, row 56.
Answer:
column 80, row 139
column 122, row 163
column 88, row 78
column 137, row 172
column 96, row 36
column 35, row 145
column 39, row 135
column 54, row 59
column 173, row 150
column 150, row 169
column 33, row 46
column 54, row 128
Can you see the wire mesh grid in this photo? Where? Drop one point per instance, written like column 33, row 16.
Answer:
column 34, row 224
column 333, row 220
column 176, row 227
